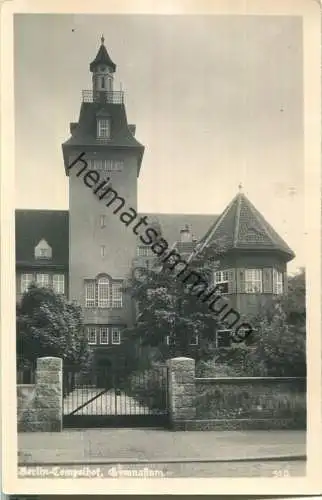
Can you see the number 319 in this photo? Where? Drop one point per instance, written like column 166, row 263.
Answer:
column 281, row 473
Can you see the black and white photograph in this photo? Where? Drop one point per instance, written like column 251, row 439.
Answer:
column 161, row 274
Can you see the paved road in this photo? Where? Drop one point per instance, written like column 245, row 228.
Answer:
column 157, row 444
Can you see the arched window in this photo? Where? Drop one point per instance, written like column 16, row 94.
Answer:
column 103, row 292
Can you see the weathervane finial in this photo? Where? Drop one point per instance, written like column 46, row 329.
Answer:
column 102, row 39
column 240, row 187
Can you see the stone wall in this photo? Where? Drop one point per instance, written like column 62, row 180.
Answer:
column 233, row 403
column 182, row 391
column 40, row 406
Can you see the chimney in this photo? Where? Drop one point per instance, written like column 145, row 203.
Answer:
column 185, row 234
column 132, row 129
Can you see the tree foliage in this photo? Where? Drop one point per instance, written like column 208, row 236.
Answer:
column 49, row 325
column 167, row 306
column 277, row 346
column 294, row 302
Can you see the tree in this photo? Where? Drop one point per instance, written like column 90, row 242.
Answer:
column 168, row 306
column 278, row 345
column 49, row 325
column 294, row 302
column 279, row 349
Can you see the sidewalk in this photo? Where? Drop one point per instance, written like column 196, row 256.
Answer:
column 125, row 445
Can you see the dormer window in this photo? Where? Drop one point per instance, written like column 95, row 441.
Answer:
column 104, row 128
column 43, row 250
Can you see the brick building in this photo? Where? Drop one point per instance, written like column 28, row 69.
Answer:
column 87, row 254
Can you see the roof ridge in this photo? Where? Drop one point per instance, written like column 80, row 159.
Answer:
column 237, row 219
column 216, row 225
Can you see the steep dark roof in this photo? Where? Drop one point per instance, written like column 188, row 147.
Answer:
column 240, row 223
column 34, row 225
column 84, row 132
column 52, row 225
column 102, row 57
column 241, row 226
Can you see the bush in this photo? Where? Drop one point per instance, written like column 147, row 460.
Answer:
column 285, row 400
column 49, row 325
column 150, row 387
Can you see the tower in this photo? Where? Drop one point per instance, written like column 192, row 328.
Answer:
column 101, row 248
column 253, row 263
column 103, row 70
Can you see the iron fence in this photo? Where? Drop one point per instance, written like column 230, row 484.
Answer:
column 108, row 393
column 104, row 96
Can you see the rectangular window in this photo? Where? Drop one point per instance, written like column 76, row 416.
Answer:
column 106, row 165
column 223, row 338
column 253, row 281
column 102, row 221
column 42, row 280
column 117, row 165
column 117, row 295
column 25, row 281
column 222, row 280
column 95, row 164
column 91, row 335
column 170, row 340
column 194, row 340
column 44, row 253
column 59, row 283
column 143, row 251
column 103, row 250
column 277, row 282
column 90, row 293
column 103, row 292
column 103, row 335
column 116, row 336
column 103, row 128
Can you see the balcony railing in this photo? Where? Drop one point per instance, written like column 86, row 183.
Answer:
column 103, row 96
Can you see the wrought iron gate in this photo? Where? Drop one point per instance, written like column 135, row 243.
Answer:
column 106, row 397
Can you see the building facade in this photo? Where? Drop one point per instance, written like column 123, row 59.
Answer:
column 87, row 254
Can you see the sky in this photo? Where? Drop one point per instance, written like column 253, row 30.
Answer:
column 217, row 101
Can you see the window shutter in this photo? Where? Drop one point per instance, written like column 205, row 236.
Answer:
column 232, row 281
column 240, row 280
column 267, row 280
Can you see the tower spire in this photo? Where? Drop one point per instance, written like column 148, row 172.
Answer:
column 102, row 39
column 240, row 187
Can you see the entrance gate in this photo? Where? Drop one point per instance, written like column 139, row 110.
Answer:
column 109, row 397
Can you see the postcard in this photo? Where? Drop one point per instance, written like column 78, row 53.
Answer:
column 161, row 247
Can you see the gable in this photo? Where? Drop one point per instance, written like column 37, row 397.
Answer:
column 43, row 250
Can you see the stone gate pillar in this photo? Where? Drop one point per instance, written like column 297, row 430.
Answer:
column 182, row 392
column 49, row 394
